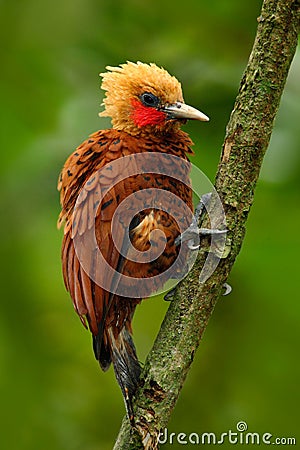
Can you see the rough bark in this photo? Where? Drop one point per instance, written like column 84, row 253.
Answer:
column 247, row 137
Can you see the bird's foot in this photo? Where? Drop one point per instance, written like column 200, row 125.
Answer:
column 193, row 233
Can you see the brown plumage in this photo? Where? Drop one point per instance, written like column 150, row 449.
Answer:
column 146, row 107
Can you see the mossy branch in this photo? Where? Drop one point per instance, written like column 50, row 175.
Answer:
column 247, row 138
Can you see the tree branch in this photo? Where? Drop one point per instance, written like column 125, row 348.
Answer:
column 247, row 137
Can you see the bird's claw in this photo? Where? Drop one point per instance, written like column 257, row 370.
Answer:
column 193, row 233
column 227, row 288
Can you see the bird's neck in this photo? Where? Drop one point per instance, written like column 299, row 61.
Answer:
column 175, row 142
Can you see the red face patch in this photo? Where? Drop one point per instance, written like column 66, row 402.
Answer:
column 145, row 115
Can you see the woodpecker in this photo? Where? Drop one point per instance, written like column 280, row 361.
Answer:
column 146, row 107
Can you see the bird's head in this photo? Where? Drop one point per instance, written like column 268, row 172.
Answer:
column 144, row 98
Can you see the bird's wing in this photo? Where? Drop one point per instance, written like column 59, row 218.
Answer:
column 86, row 215
column 87, row 175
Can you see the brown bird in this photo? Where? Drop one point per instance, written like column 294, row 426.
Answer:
column 100, row 270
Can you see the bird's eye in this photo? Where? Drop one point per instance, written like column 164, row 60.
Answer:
column 149, row 99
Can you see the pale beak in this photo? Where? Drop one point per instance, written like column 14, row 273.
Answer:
column 180, row 110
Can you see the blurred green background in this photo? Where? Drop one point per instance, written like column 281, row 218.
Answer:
column 53, row 396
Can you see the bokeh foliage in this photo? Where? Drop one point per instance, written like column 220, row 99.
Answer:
column 247, row 368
